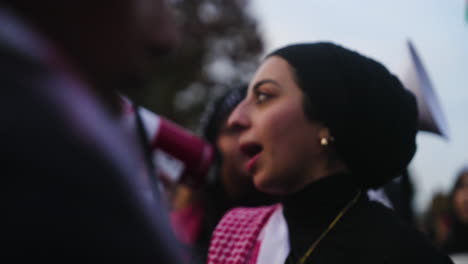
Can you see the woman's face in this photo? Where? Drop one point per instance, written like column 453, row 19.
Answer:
column 282, row 145
column 461, row 199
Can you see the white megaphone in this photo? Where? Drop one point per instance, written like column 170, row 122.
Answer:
column 416, row 79
column 178, row 155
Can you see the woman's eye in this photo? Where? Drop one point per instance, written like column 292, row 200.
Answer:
column 262, row 97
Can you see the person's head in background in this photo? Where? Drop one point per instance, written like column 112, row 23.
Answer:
column 317, row 109
column 110, row 43
column 457, row 240
column 460, row 196
column 231, row 173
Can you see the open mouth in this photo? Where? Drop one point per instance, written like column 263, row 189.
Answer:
column 251, row 150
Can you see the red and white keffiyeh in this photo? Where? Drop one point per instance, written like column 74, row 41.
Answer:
column 234, row 240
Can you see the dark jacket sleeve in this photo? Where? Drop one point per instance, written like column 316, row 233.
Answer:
column 63, row 198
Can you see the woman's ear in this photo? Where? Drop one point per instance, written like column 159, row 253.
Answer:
column 324, row 132
column 334, row 162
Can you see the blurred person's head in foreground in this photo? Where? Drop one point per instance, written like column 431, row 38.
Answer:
column 313, row 110
column 110, row 43
column 231, row 173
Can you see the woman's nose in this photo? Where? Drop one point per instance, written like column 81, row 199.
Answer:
column 239, row 118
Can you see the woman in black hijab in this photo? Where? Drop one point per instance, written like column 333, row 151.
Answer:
column 321, row 124
column 229, row 185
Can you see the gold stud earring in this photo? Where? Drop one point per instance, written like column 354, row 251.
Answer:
column 324, row 141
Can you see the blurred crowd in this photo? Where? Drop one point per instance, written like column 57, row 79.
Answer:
column 446, row 220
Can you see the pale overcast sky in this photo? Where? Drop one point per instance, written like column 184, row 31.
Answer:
column 379, row 29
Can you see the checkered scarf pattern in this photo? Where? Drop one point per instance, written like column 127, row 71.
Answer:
column 235, row 237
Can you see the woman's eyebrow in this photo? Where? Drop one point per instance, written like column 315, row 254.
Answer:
column 262, row 82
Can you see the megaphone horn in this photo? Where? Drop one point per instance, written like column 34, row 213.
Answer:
column 416, row 79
